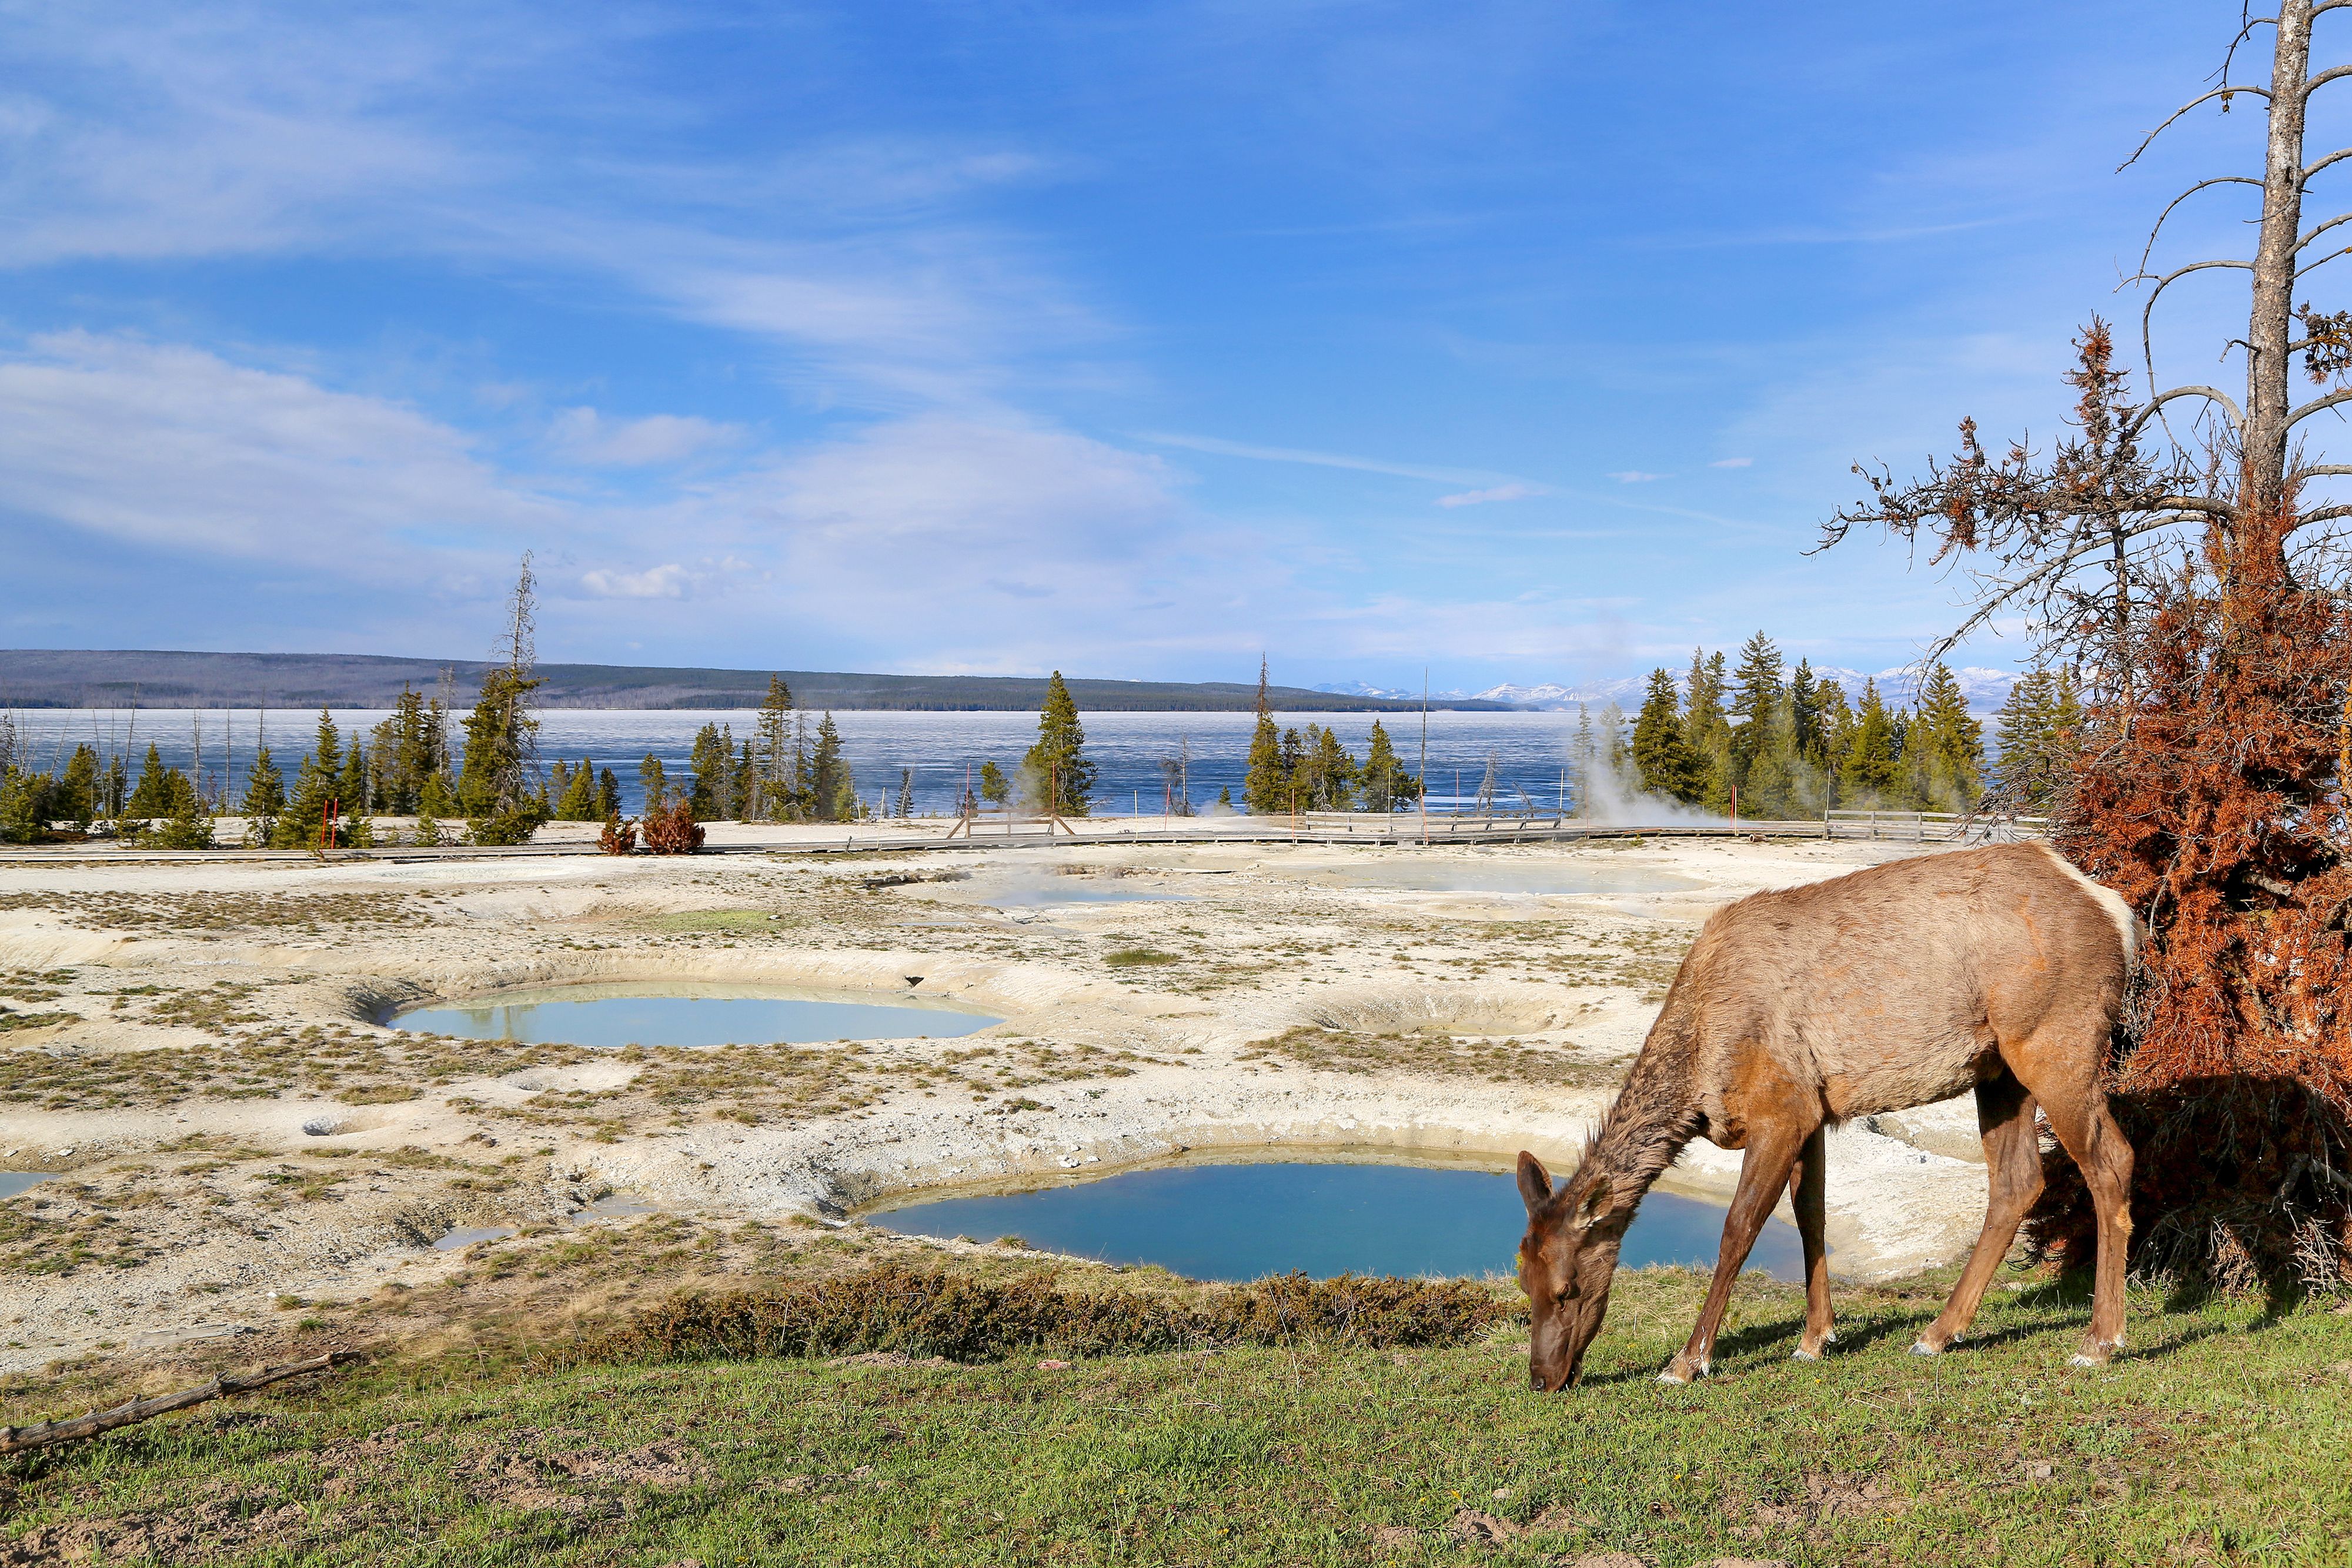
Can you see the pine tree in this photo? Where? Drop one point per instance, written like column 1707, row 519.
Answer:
column 1867, row 776
column 577, row 802
column 303, row 821
column 1707, row 732
column 1944, row 747
column 1266, row 787
column 1755, row 700
column 1836, row 727
column 1327, row 773
column 1387, row 786
column 154, row 795
column 1662, row 757
column 1805, row 712
column 653, row 782
column 434, row 802
column 1583, row 758
column 1057, row 764
column 608, row 796
column 772, row 752
column 496, row 786
column 406, row 747
column 265, row 797
column 351, row 786
column 994, row 787
column 75, row 797
column 833, row 791
column 712, row 760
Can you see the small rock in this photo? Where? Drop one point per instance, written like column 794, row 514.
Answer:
column 2043, row 1470
column 1502, row 1492
column 1053, row 1366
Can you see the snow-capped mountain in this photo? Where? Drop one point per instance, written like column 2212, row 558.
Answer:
column 1986, row 688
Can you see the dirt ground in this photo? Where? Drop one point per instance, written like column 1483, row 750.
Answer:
column 239, row 1147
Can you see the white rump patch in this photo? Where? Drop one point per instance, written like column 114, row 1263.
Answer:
column 2126, row 923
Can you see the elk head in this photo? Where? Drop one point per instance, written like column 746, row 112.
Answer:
column 1566, row 1262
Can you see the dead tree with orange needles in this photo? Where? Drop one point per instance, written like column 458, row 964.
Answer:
column 2180, row 555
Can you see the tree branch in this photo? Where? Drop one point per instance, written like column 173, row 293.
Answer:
column 16, row 1439
column 2321, row 228
column 2326, row 515
column 2214, row 395
column 2319, row 405
column 2261, row 93
column 2321, row 470
column 2338, row 156
column 2147, row 312
column 2335, row 73
column 2148, row 249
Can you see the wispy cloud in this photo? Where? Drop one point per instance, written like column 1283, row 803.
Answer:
column 1515, row 491
column 1222, row 448
column 665, row 581
column 584, row 435
column 1634, row 476
column 1731, row 463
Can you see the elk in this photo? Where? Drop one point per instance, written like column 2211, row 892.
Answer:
column 2001, row 969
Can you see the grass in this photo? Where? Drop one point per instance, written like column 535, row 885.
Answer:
column 2217, row 1440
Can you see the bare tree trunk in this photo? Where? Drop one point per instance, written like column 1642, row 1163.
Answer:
column 2268, row 331
column 16, row 1439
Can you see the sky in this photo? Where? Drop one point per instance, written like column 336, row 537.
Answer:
column 1506, row 341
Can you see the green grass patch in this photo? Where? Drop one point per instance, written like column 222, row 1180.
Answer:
column 2217, row 1440
column 1138, row 957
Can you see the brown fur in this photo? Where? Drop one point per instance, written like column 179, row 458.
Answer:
column 1999, row 970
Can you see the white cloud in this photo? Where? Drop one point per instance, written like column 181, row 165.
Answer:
column 1223, row 449
column 1499, row 493
column 1731, row 463
column 666, row 582
column 1634, row 476
column 586, row 436
column 173, row 448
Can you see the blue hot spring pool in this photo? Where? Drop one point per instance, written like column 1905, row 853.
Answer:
column 1244, row 1221
column 616, row 1016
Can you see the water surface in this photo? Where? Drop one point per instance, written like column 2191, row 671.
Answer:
column 1245, row 1221
column 612, row 1017
column 13, row 1182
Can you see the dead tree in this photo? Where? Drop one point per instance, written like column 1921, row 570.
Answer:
column 2164, row 549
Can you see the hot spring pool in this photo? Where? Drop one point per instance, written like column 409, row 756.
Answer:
column 616, row 1016
column 1245, row 1221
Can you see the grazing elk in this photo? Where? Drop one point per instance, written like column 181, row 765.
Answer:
column 1999, row 970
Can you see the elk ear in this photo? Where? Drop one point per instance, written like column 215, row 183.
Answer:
column 1535, row 1182
column 1597, row 1201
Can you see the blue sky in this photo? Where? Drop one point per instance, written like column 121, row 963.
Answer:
column 1521, row 341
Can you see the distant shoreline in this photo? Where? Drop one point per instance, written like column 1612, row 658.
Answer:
column 122, row 678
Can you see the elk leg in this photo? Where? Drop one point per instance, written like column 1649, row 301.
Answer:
column 2013, row 1177
column 2088, row 1130
column 1772, row 1154
column 1808, row 1195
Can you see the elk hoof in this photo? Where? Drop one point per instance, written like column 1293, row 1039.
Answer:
column 1802, row 1353
column 1922, row 1347
column 2085, row 1358
column 1668, row 1376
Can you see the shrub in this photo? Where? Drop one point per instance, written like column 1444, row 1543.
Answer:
column 671, row 830
column 1137, row 957
column 510, row 827
column 620, row 835
column 925, row 1311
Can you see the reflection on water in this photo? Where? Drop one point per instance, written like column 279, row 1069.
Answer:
column 456, row 1240
column 613, row 1017
column 1037, row 893
column 1244, row 1221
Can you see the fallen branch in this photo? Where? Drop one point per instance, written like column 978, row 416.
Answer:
column 17, row 1439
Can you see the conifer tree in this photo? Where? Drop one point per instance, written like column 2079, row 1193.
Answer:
column 1057, row 763
column 1867, row 776
column 406, row 747
column 24, row 814
column 1662, row 757
column 712, row 760
column 75, row 799
column 434, row 803
column 1584, row 757
column 653, row 781
column 1388, row 787
column 608, row 796
column 189, row 827
column 772, row 753
column 833, row 791
column 1836, row 728
column 351, row 786
column 1755, row 699
column 1327, row 773
column 316, row 782
column 577, row 802
column 1266, row 787
column 498, row 786
column 994, row 787
column 154, row 795
column 1944, row 747
column 1805, row 712
column 265, row 797
column 1707, row 732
